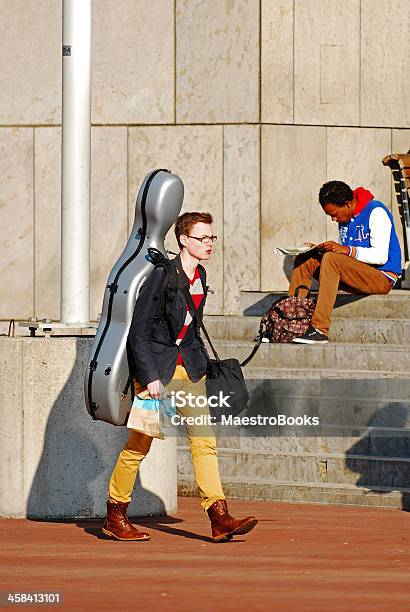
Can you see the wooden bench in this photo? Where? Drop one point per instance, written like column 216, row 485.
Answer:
column 399, row 164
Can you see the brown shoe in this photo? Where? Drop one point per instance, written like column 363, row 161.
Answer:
column 224, row 526
column 117, row 524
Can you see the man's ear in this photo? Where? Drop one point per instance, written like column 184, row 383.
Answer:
column 183, row 240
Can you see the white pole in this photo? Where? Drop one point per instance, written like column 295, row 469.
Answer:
column 75, row 167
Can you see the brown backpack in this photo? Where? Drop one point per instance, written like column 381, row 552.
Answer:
column 288, row 317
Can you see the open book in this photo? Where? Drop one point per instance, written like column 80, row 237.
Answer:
column 295, row 250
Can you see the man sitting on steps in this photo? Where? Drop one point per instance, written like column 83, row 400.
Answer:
column 367, row 260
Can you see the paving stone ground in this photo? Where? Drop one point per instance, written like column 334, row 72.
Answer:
column 299, row 557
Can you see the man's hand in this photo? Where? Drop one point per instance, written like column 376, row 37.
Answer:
column 155, row 389
column 333, row 247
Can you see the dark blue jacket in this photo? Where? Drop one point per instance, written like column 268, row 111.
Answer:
column 151, row 345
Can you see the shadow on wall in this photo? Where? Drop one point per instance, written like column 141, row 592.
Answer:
column 388, row 442
column 78, row 457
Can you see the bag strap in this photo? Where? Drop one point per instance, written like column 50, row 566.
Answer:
column 124, row 392
column 202, row 326
column 190, row 301
column 170, row 288
column 296, row 294
column 254, row 351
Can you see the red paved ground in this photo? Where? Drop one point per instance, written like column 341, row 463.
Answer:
column 299, row 557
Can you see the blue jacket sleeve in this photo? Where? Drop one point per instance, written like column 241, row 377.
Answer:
column 139, row 336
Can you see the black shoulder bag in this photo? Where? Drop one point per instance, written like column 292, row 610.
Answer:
column 224, row 377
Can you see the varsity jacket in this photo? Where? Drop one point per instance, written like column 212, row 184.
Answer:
column 371, row 235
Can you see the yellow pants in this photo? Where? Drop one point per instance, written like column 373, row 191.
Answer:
column 201, row 441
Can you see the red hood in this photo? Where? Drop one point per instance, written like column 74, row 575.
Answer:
column 363, row 198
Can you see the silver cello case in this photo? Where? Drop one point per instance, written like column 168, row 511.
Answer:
column 107, row 380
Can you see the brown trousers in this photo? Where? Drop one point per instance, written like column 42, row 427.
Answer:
column 332, row 269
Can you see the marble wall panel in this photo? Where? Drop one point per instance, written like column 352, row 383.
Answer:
column 385, row 51
column 133, row 61
column 16, row 222
column 354, row 155
column 30, row 62
column 277, row 61
column 47, row 222
column 241, row 214
column 108, row 229
column 108, row 226
column 400, row 141
column 327, row 61
column 194, row 154
column 293, row 170
column 217, row 61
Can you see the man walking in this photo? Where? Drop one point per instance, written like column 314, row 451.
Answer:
column 166, row 346
column 367, row 260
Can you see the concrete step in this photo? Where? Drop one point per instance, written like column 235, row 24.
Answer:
column 390, row 357
column 321, row 407
column 263, row 373
column 363, row 331
column 308, row 492
column 387, row 442
column 354, row 400
column 327, row 416
column 369, row 471
column 395, row 305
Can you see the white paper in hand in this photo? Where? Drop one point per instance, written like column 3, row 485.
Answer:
column 294, row 250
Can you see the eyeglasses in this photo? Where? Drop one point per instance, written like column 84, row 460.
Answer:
column 204, row 239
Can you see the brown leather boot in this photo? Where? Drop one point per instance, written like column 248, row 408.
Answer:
column 117, row 524
column 224, row 526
